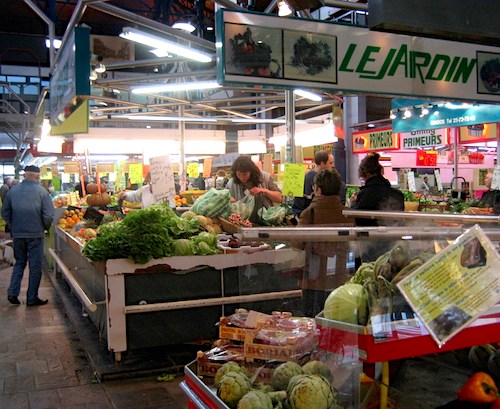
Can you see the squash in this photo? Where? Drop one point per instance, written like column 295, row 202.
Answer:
column 494, row 365
column 479, row 356
column 94, row 188
column 98, row 200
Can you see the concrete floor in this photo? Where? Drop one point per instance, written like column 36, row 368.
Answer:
column 49, row 358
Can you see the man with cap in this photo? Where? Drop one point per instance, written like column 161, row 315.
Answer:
column 29, row 211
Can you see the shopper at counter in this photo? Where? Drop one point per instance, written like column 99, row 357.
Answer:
column 7, row 184
column 29, row 211
column 491, row 197
column 248, row 179
column 377, row 192
column 144, row 195
column 325, row 210
column 323, row 161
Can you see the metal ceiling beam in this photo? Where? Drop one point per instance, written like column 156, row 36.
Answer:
column 341, row 4
column 154, row 25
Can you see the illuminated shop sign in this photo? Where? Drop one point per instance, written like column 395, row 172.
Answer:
column 297, row 53
column 382, row 139
column 423, row 139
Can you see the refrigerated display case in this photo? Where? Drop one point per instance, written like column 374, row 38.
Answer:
column 405, row 336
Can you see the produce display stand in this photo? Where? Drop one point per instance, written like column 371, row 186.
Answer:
column 175, row 299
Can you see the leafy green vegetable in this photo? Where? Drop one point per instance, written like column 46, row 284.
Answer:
column 142, row 235
column 409, row 196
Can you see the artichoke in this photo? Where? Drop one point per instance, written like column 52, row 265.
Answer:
column 232, row 387
column 318, row 368
column 283, row 373
column 228, row 367
column 311, row 391
column 255, row 400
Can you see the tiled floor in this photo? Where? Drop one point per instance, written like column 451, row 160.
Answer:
column 43, row 363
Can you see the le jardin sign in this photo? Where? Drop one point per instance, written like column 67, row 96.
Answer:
column 296, row 53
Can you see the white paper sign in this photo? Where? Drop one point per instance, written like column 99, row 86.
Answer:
column 495, row 182
column 411, row 182
column 162, row 178
column 437, row 176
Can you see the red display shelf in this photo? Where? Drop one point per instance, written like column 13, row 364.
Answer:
column 199, row 394
column 407, row 338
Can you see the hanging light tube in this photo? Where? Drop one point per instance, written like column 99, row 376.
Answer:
column 308, row 94
column 181, row 86
column 151, row 40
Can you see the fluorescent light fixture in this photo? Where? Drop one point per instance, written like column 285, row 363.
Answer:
column 55, row 42
column 284, row 9
column 265, row 121
column 161, row 53
column 165, row 118
column 100, row 68
column 307, row 94
column 407, row 113
column 184, row 25
column 425, row 111
column 392, row 116
column 181, row 86
column 150, row 40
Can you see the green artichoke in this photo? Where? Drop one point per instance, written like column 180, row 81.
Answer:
column 232, row 387
column 283, row 373
column 318, row 368
column 255, row 400
column 228, row 367
column 311, row 391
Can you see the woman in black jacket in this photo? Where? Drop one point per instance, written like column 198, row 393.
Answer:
column 377, row 193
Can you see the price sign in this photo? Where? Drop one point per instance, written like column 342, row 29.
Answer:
column 426, row 158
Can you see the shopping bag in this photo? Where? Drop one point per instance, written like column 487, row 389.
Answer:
column 213, row 203
column 272, row 216
column 243, row 207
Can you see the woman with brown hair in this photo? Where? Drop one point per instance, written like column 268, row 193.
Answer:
column 248, row 179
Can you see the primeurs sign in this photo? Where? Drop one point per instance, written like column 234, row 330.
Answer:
column 272, row 51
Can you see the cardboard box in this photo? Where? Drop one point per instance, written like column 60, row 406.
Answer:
column 293, row 350
column 265, row 371
column 230, row 332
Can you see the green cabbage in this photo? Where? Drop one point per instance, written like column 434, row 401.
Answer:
column 183, row 247
column 346, row 303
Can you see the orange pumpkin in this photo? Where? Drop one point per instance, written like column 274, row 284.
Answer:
column 94, row 188
column 97, row 199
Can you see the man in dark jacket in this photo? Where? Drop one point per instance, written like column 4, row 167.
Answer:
column 29, row 211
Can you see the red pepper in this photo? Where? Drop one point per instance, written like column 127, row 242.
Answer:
column 479, row 388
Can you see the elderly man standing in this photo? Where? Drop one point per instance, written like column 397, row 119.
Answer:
column 29, row 211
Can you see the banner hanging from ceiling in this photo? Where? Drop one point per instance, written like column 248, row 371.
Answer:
column 296, row 53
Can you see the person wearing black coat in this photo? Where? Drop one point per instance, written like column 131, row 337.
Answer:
column 376, row 194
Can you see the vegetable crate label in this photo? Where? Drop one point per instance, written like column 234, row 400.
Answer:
column 293, row 351
column 232, row 333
